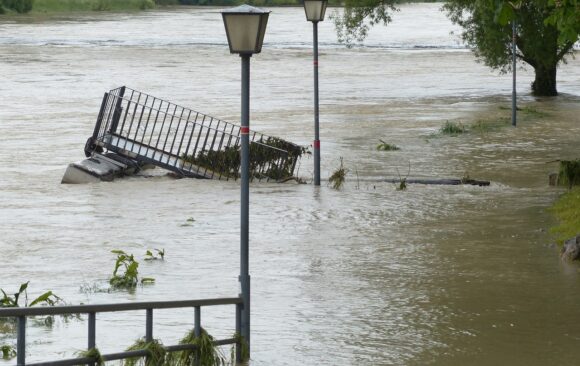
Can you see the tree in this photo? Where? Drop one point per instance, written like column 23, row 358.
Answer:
column 541, row 42
column 546, row 31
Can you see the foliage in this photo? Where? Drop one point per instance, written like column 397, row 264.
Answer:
column 452, row 128
column 566, row 17
column 338, row 177
column 19, row 6
column 155, row 353
column 272, row 158
column 403, row 180
column 126, row 272
column 8, row 352
column 567, row 211
column 95, row 354
column 205, row 351
column 48, row 298
column 383, row 146
column 158, row 255
column 487, row 29
column 359, row 16
column 569, row 174
column 244, row 347
column 50, row 6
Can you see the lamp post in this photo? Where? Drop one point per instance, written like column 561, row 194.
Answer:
column 315, row 10
column 245, row 29
column 514, row 95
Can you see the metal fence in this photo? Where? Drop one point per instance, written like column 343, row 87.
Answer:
column 193, row 144
column 21, row 314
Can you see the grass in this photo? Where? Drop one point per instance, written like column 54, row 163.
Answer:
column 567, row 211
column 484, row 126
column 126, row 272
column 383, row 146
column 452, row 128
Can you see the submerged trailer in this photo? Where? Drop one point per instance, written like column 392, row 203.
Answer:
column 142, row 129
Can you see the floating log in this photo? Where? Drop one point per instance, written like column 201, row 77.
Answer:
column 442, row 182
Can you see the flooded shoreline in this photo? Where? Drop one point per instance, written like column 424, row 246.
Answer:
column 364, row 276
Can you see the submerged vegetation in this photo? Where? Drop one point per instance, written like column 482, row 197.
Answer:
column 155, row 353
column 272, row 158
column 569, row 174
column 95, row 354
column 452, row 128
column 383, row 146
column 126, row 272
column 567, row 211
column 204, row 353
column 338, row 177
column 158, row 254
column 8, row 352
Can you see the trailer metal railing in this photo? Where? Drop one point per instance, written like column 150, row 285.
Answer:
column 21, row 314
column 154, row 131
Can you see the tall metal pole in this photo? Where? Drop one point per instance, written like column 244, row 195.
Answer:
column 316, row 110
column 514, row 96
column 245, row 198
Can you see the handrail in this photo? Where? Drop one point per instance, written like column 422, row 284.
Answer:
column 22, row 313
column 108, row 308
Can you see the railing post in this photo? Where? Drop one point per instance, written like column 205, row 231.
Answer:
column 21, row 342
column 239, row 332
column 118, row 111
column 92, row 340
column 197, row 331
column 149, row 326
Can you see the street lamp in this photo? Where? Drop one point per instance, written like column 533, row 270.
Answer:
column 245, row 29
column 315, row 10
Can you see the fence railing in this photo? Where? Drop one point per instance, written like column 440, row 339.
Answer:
column 182, row 140
column 21, row 314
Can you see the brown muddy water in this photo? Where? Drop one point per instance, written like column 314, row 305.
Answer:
column 368, row 275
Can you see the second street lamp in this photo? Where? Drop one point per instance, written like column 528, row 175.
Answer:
column 245, row 29
column 315, row 11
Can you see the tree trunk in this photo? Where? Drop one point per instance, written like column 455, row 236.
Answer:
column 545, row 83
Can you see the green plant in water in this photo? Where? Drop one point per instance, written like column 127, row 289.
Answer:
column 158, row 255
column 403, row 181
column 126, row 272
column 48, row 298
column 338, row 177
column 452, row 128
column 8, row 352
column 205, row 352
column 94, row 354
column 383, row 146
column 155, row 353
column 569, row 174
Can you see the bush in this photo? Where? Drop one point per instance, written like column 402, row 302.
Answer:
column 19, row 6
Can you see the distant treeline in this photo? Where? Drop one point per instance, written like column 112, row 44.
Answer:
column 55, row 6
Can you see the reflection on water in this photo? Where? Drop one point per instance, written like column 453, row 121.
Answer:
column 365, row 276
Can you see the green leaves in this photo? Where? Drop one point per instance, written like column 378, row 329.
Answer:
column 126, row 271
column 565, row 15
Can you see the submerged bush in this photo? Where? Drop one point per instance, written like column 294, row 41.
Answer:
column 383, row 146
column 452, row 128
column 569, row 174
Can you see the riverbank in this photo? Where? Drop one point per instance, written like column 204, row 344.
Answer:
column 567, row 211
column 65, row 6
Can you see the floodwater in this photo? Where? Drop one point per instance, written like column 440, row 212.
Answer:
column 368, row 275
